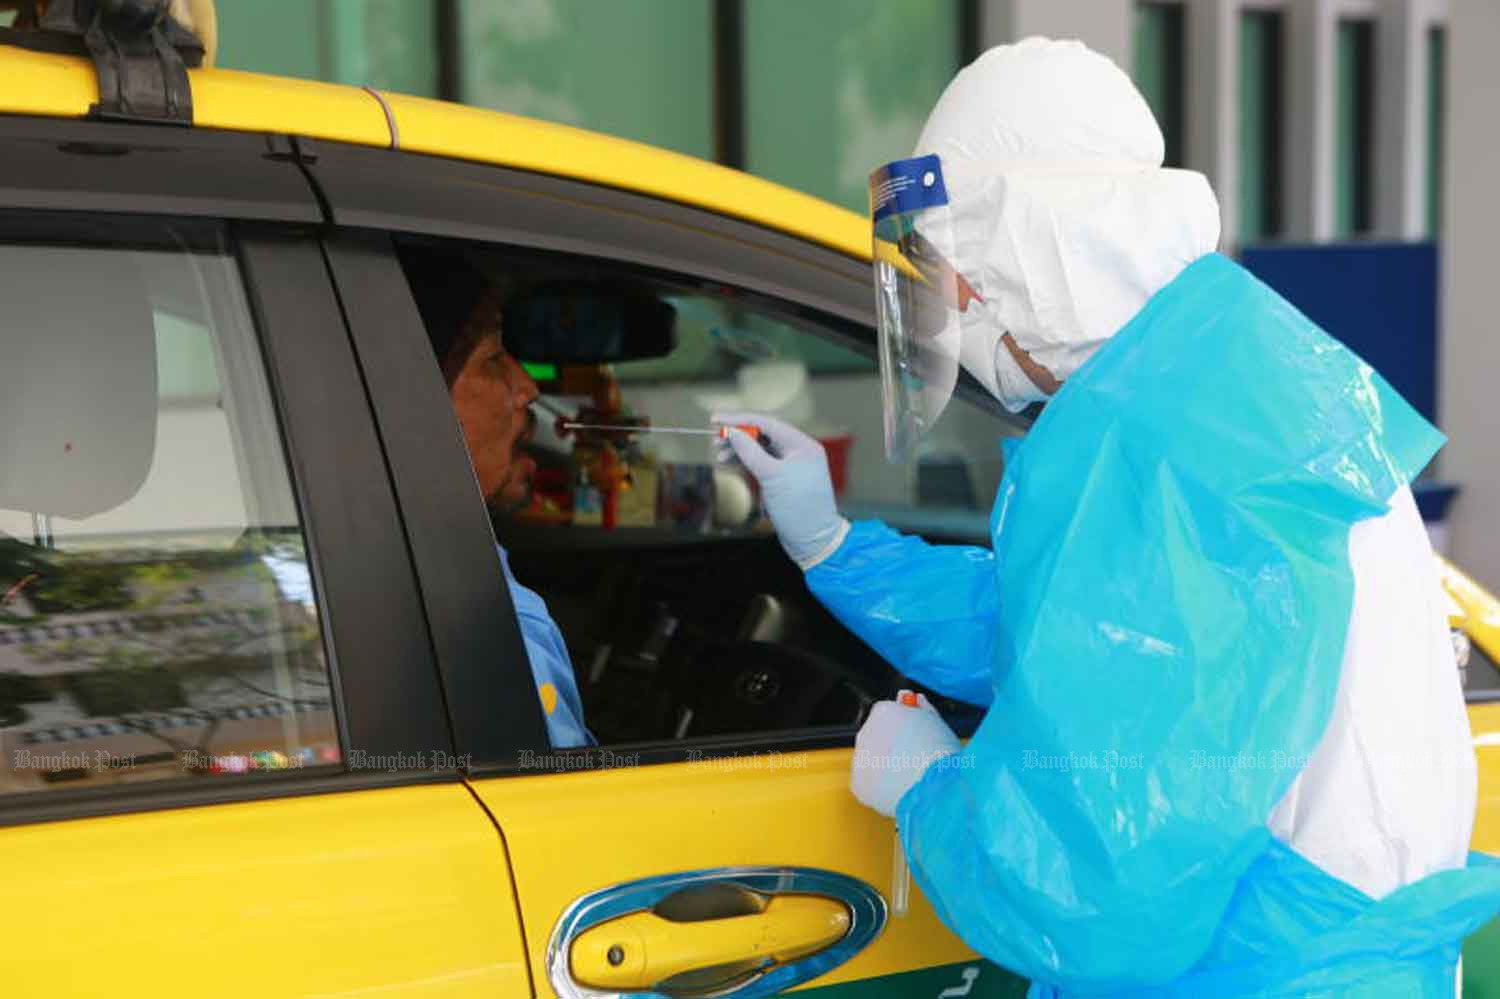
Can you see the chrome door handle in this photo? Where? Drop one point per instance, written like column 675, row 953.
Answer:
column 733, row 932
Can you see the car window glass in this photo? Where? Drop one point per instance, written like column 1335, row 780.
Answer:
column 157, row 614
column 680, row 615
column 705, row 628
column 733, row 356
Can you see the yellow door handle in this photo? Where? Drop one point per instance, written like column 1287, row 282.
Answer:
column 642, row 949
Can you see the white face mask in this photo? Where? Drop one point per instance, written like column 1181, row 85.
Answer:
column 1065, row 260
column 983, row 353
column 1014, row 387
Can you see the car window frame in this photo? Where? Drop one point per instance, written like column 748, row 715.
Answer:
column 392, row 191
column 476, row 635
column 392, row 720
column 373, row 194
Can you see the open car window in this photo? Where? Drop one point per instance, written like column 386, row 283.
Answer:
column 681, row 614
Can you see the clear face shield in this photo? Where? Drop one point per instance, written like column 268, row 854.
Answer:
column 919, row 297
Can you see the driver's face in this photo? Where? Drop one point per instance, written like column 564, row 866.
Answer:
column 490, row 395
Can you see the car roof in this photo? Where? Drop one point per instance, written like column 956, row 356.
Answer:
column 39, row 83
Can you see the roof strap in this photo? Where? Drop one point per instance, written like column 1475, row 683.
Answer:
column 141, row 56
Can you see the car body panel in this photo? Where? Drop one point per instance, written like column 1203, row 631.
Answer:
column 965, row 980
column 443, row 129
column 65, row 86
column 1484, row 721
column 570, row 834
column 253, row 102
column 45, row 84
column 1482, row 950
column 397, row 892
column 1479, row 610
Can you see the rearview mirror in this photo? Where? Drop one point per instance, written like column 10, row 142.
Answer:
column 587, row 323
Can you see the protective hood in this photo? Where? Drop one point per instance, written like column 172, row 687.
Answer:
column 1062, row 216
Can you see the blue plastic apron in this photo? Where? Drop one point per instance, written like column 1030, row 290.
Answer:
column 1159, row 629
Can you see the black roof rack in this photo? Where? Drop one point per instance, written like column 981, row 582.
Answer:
column 140, row 53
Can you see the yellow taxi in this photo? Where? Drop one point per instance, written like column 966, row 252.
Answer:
column 267, row 723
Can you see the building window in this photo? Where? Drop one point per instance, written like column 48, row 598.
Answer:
column 835, row 89
column 387, row 44
column 1437, row 78
column 1159, row 70
column 1354, row 180
column 641, row 70
column 1260, row 125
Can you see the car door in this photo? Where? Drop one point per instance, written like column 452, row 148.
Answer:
column 225, row 763
column 727, row 863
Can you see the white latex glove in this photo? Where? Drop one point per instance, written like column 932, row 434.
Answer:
column 794, row 483
column 895, row 746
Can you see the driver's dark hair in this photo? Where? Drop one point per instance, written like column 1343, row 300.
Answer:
column 448, row 290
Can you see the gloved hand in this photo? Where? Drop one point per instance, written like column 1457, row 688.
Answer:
column 794, row 483
column 895, row 746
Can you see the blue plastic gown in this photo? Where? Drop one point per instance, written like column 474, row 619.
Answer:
column 1168, row 588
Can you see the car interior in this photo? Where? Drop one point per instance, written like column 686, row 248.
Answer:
column 682, row 615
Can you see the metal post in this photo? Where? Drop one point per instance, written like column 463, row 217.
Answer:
column 729, row 83
column 449, row 50
column 1213, row 103
column 1311, row 50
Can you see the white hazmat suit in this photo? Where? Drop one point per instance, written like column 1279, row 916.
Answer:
column 1207, row 571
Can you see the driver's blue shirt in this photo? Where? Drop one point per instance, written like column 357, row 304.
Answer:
column 556, row 687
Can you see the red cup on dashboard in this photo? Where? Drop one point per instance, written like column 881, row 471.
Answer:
column 838, row 447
